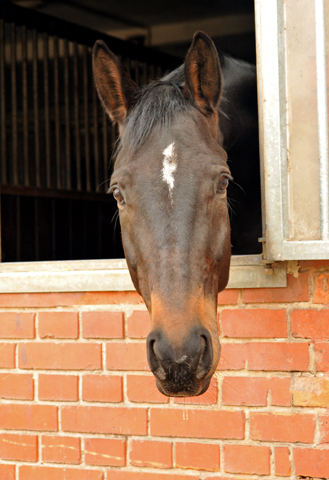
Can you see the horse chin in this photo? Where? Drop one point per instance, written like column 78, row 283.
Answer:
column 171, row 389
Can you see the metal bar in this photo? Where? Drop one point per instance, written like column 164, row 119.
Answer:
column 96, row 144
column 57, row 113
column 36, row 109
column 86, row 116
column 53, row 228
column 321, row 76
column 70, row 231
column 18, row 229
column 77, row 116
column 25, row 109
column 67, row 169
column 14, row 160
column 105, row 150
column 99, row 228
column 47, row 109
column 3, row 119
column 36, row 229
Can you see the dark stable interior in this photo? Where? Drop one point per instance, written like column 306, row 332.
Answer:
column 56, row 141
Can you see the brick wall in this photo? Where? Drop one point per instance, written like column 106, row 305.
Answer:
column 78, row 401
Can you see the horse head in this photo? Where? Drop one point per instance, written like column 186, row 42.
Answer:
column 169, row 180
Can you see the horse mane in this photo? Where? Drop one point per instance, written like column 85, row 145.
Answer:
column 156, row 105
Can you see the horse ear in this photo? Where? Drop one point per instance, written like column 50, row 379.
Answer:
column 203, row 80
column 115, row 88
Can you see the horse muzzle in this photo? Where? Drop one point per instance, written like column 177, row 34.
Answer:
column 181, row 370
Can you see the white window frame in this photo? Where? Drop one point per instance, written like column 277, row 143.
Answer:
column 269, row 17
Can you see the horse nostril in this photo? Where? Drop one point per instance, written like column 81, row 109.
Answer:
column 206, row 357
column 152, row 358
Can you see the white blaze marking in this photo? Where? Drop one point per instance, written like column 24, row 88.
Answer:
column 169, row 167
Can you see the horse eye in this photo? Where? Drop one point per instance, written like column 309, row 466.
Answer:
column 223, row 183
column 117, row 195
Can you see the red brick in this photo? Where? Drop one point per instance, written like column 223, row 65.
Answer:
column 126, row 356
column 23, row 448
column 252, row 323
column 321, row 290
column 58, row 324
column 60, row 449
column 68, row 299
column 310, row 323
column 7, row 472
column 282, row 462
column 105, row 420
column 310, row 392
column 249, row 459
column 59, row 387
column 322, row 357
column 324, row 428
column 124, row 475
column 296, row 291
column 7, row 355
column 208, row 398
column 105, row 451
column 229, row 296
column 102, row 388
column 198, row 456
column 17, row 325
column 233, row 356
column 18, row 386
column 150, row 454
column 142, row 388
column 269, row 356
column 282, row 427
column 102, row 325
column 27, row 472
column 311, row 462
column 28, row 417
column 60, row 356
column 217, row 424
column 139, row 324
column 254, row 391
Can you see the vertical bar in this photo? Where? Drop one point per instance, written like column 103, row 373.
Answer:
column 18, row 229
column 47, row 110
column 77, row 116
column 70, row 231
column 99, row 227
column 36, row 108
column 67, row 169
column 3, row 119
column 14, row 106
column 36, row 229
column 26, row 181
column 96, row 145
column 321, row 77
column 105, row 149
column 57, row 118
column 86, row 116
column 53, row 228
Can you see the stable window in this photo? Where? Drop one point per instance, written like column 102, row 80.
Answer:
column 292, row 47
column 57, row 141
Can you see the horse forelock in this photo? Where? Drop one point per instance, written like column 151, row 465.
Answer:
column 157, row 105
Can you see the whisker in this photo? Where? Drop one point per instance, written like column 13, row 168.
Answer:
column 238, row 186
column 99, row 186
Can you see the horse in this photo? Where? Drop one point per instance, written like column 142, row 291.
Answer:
column 177, row 137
